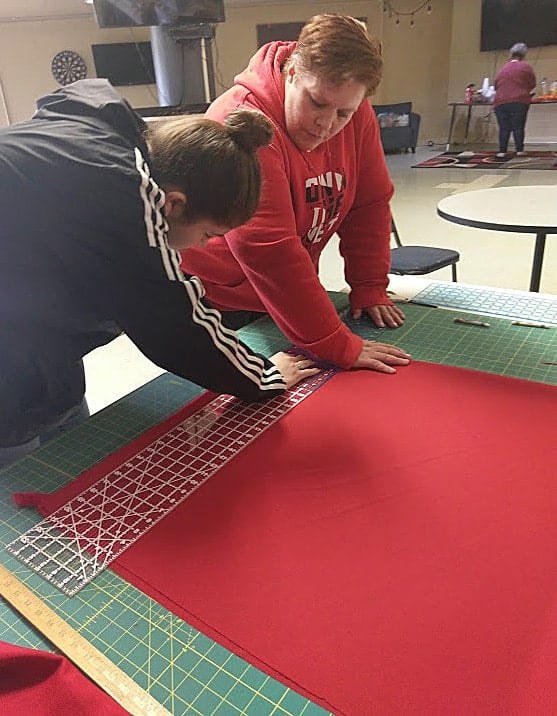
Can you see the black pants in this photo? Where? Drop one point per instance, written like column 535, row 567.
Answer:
column 73, row 418
column 511, row 117
column 238, row 319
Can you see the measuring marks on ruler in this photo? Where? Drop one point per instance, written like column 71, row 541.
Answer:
column 85, row 535
column 505, row 303
column 84, row 655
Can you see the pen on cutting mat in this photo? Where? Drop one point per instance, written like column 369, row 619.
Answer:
column 395, row 299
column 470, row 322
column 420, row 303
column 530, row 324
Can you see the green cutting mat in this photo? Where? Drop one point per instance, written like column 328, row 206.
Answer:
column 431, row 335
column 186, row 671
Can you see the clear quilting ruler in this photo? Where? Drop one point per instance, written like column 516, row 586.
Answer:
column 506, row 303
column 83, row 536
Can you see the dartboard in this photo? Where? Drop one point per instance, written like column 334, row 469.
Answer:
column 67, row 66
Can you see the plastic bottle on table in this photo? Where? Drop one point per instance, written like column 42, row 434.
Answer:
column 543, row 87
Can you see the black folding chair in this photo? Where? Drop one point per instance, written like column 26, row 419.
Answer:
column 419, row 260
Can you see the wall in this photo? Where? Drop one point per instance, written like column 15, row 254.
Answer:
column 24, row 76
column 415, row 63
column 237, row 39
column 424, row 81
column 26, row 50
column 430, row 63
column 467, row 64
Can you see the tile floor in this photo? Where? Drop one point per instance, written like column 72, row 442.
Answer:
column 487, row 257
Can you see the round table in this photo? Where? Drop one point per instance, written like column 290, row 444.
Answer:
column 520, row 209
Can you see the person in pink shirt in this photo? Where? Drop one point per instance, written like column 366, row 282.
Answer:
column 514, row 85
column 323, row 173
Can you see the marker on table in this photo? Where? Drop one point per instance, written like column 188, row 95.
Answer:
column 403, row 299
column 470, row 322
column 394, row 299
column 421, row 303
column 530, row 324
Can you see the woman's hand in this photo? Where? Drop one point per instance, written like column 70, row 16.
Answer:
column 381, row 357
column 382, row 315
column 294, row 368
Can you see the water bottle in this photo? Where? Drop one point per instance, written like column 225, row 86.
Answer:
column 543, row 87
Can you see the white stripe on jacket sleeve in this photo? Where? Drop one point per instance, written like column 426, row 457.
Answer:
column 225, row 340
column 249, row 364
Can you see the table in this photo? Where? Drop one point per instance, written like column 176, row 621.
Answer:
column 469, row 106
column 541, row 126
column 519, row 209
column 181, row 667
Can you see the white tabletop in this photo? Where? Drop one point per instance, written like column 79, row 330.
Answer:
column 529, row 209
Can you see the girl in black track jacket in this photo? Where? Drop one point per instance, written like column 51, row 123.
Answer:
column 94, row 206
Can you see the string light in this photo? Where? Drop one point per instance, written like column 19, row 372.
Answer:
column 388, row 7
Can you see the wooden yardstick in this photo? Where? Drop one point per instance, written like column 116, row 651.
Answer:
column 82, row 653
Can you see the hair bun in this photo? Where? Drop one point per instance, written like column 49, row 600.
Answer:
column 249, row 129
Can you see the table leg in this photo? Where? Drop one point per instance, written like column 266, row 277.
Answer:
column 537, row 262
column 468, row 116
column 451, row 125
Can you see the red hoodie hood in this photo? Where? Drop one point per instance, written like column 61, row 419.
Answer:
column 264, row 79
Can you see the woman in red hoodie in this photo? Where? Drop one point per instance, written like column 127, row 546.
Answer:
column 324, row 173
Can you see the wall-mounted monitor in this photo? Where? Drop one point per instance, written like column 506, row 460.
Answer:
column 505, row 22
column 133, row 13
column 124, row 63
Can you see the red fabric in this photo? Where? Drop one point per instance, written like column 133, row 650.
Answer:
column 46, row 503
column 38, row 683
column 388, row 547
column 342, row 186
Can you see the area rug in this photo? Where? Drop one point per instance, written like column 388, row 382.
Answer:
column 489, row 160
column 387, row 547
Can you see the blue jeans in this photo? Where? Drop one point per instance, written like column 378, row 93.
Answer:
column 511, row 117
column 11, row 454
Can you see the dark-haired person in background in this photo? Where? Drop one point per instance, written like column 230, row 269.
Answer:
column 324, row 172
column 514, row 86
column 95, row 207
